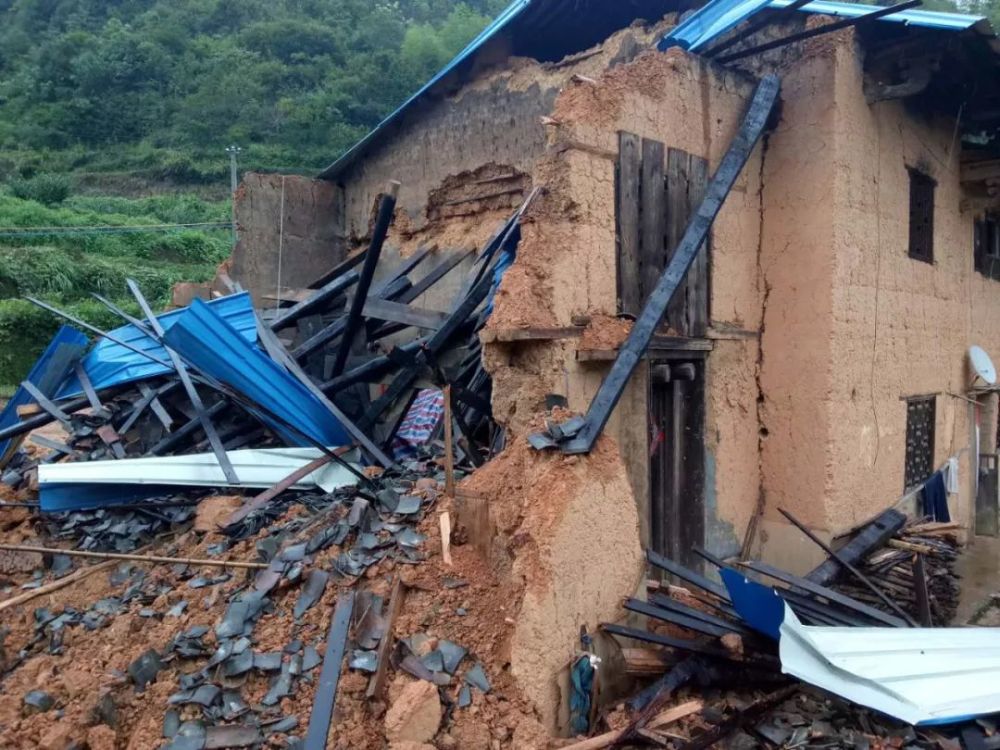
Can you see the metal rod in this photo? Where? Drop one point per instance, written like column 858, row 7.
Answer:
column 764, row 19
column 134, row 558
column 810, row 33
column 847, row 564
column 385, row 211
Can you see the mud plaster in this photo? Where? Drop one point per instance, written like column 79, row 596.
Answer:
column 566, row 266
column 494, row 118
column 853, row 325
column 550, row 511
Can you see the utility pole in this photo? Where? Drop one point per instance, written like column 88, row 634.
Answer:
column 233, row 151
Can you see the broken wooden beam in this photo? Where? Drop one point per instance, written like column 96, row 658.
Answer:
column 664, row 718
column 396, row 312
column 871, row 537
column 386, row 208
column 608, row 395
column 377, row 681
column 326, row 688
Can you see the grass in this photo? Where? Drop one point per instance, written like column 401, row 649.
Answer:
column 67, row 270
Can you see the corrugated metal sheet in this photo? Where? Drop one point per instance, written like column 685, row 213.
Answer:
column 216, row 348
column 109, row 364
column 709, row 22
column 930, row 19
column 47, row 374
column 918, row 675
column 91, row 484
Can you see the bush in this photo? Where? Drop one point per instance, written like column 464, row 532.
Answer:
column 47, row 189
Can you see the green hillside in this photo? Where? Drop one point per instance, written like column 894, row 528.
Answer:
column 160, row 87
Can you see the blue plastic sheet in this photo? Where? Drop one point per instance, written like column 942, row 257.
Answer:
column 217, row 349
column 47, row 374
column 110, row 364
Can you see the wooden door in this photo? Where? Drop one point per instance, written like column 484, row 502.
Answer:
column 677, row 459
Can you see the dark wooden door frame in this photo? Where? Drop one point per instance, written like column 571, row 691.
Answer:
column 677, row 461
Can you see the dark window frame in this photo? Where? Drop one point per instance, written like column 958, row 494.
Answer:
column 922, row 199
column 921, row 438
column 986, row 245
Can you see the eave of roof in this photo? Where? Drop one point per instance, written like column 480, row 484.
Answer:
column 500, row 22
column 706, row 24
column 930, row 19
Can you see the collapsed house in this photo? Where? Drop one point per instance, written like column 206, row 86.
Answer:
column 752, row 244
column 815, row 358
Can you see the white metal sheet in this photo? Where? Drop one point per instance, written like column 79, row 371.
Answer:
column 255, row 468
column 918, row 675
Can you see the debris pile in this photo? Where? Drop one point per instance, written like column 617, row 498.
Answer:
column 208, row 623
column 917, row 570
column 860, row 645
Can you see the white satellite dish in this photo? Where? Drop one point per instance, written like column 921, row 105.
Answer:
column 983, row 365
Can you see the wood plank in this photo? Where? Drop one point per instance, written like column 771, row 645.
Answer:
column 678, row 210
column 395, row 312
column 980, row 171
column 473, row 513
column 699, row 277
column 377, row 682
column 449, row 446
column 628, row 175
column 511, row 335
column 662, row 719
column 652, row 215
column 289, row 295
column 326, row 688
column 657, row 347
column 645, row 661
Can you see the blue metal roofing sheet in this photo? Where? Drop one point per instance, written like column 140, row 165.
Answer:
column 709, row 22
column 110, row 364
column 47, row 374
column 212, row 345
column 927, row 18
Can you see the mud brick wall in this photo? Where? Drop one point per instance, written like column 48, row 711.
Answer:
column 300, row 234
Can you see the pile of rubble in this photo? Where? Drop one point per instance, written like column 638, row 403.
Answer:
column 208, row 622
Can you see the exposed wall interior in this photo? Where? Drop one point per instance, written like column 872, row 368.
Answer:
column 287, row 226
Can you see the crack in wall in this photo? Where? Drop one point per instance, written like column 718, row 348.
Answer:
column 762, row 433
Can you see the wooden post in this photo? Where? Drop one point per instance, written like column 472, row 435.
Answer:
column 445, row 521
column 449, row 446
